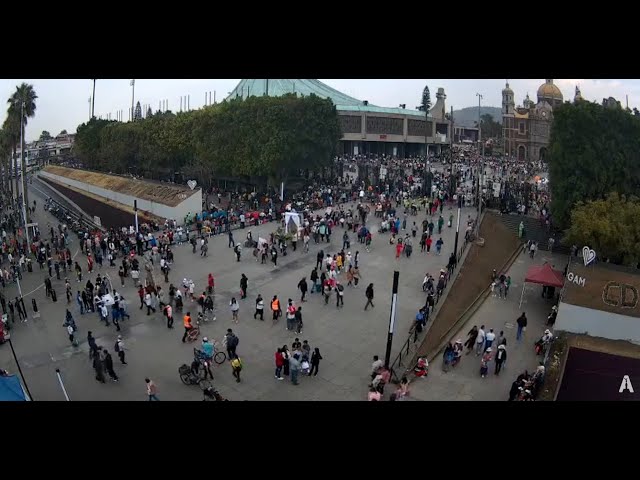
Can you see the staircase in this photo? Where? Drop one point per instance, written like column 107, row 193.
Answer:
column 534, row 231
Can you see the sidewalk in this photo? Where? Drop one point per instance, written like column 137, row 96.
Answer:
column 464, row 382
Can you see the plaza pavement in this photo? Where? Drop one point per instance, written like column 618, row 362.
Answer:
column 464, row 382
column 347, row 337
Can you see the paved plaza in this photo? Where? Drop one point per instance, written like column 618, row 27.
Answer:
column 347, row 337
column 464, row 382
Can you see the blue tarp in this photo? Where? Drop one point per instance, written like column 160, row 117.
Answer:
column 11, row 389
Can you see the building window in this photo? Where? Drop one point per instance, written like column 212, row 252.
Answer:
column 350, row 123
column 416, row 128
column 385, row 125
column 521, row 127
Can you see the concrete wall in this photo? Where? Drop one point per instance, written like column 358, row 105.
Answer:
column 190, row 205
column 597, row 323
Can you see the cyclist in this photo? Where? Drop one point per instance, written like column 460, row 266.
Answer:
column 208, row 349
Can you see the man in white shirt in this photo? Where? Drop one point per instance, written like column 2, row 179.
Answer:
column 480, row 341
column 490, row 337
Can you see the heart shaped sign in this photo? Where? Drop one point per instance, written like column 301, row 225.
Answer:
column 588, row 255
column 192, row 184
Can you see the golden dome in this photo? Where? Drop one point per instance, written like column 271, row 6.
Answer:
column 549, row 90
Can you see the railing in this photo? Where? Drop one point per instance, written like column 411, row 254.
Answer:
column 412, row 339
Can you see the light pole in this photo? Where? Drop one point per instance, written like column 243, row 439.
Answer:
column 481, row 163
column 392, row 317
column 93, row 99
column 133, row 96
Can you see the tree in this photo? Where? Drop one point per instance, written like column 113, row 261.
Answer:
column 5, row 159
column 138, row 112
column 594, row 150
column 149, row 112
column 490, row 128
column 63, row 132
column 425, row 103
column 610, row 226
column 636, row 112
column 44, row 136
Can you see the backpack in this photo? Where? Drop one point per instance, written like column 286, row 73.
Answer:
column 233, row 341
column 117, row 347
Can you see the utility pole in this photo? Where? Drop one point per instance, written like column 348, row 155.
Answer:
column 93, row 99
column 90, row 109
column 392, row 317
column 481, row 163
column 133, row 96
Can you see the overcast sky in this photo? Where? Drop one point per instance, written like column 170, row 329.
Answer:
column 64, row 104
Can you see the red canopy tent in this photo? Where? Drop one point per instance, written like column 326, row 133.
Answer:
column 543, row 275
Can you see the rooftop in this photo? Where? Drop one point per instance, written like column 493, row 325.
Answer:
column 165, row 193
column 301, row 86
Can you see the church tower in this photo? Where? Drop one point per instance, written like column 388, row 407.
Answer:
column 508, row 102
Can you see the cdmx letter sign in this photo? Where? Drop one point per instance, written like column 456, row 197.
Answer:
column 621, row 295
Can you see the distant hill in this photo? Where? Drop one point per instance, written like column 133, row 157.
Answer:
column 468, row 117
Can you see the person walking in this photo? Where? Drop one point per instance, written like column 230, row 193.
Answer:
column 501, row 357
column 286, row 356
column 339, row 295
column 298, row 320
column 108, row 364
column 480, row 341
column 315, row 361
column 152, row 390
column 149, row 303
column 244, row 282
column 279, row 364
column 275, row 308
column 70, row 332
column 233, row 305
column 186, row 321
column 80, row 302
column 121, row 275
column 98, row 366
column 369, row 294
column 489, row 338
column 522, row 326
column 294, row 367
column 236, row 367
column 168, row 312
column 119, row 349
column 259, row 308
column 303, row 286
column 141, row 296
column 232, row 341
column 93, row 347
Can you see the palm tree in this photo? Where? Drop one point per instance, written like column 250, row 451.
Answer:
column 5, row 159
column 22, row 104
column 12, row 132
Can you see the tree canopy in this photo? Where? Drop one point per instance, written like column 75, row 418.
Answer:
column 593, row 151
column 490, row 128
column 45, row 135
column 425, row 101
column 266, row 137
column 610, row 226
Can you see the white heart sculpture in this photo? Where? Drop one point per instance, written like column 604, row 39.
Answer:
column 192, row 184
column 588, row 255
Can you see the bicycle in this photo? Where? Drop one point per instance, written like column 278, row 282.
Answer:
column 219, row 357
column 194, row 333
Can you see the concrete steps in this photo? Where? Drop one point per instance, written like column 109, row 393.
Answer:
column 534, row 231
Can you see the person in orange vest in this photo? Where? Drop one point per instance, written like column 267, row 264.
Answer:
column 275, row 308
column 187, row 326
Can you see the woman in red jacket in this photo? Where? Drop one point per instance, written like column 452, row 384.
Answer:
column 211, row 283
column 279, row 364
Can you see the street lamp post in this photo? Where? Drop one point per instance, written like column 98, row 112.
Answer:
column 93, row 99
column 481, row 163
column 90, row 109
column 133, row 96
